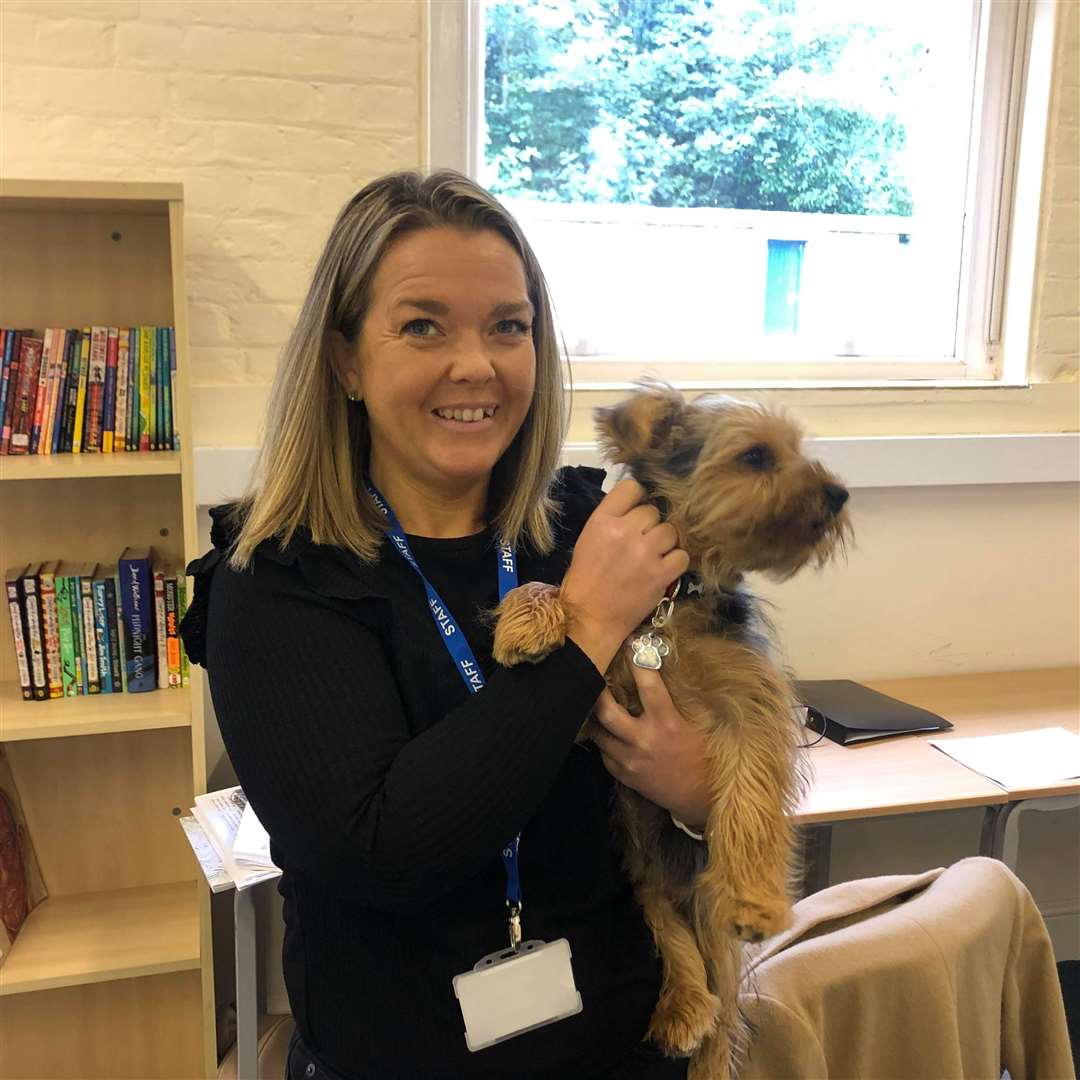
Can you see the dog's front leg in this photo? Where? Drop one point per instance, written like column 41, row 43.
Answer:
column 532, row 623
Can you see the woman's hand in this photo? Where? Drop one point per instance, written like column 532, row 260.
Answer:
column 658, row 753
column 623, row 561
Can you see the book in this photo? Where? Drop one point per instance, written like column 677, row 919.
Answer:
column 174, row 437
column 113, row 625
column 79, row 425
column 95, row 389
column 122, row 360
column 12, row 577
column 158, row 570
column 120, row 633
column 5, row 370
column 101, row 632
column 56, row 386
column 108, row 419
column 848, row 712
column 42, row 393
column 185, row 667
column 89, row 627
column 22, row 418
column 145, row 398
column 133, row 389
column 12, row 352
column 156, row 441
column 76, row 573
column 71, row 392
column 137, row 613
column 50, row 631
column 32, row 618
column 22, row 887
column 219, row 815
column 172, row 635
column 69, row 674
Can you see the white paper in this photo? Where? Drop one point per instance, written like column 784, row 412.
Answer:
column 208, row 857
column 220, row 813
column 252, row 843
column 1020, row 759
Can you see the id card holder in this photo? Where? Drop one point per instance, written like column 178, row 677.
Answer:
column 508, row 993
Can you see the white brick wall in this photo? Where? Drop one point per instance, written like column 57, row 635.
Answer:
column 1057, row 294
column 270, row 113
column 273, row 113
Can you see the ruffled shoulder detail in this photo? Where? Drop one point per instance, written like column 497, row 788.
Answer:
column 577, row 490
column 327, row 570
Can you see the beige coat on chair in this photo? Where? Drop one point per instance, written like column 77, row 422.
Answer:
column 928, row 977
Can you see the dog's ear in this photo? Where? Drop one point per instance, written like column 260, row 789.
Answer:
column 641, row 423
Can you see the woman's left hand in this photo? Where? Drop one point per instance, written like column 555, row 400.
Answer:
column 658, row 753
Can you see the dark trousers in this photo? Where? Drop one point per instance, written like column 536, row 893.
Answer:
column 644, row 1063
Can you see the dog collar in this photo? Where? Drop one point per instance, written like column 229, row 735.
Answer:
column 689, row 585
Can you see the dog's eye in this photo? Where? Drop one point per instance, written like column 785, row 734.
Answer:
column 757, row 457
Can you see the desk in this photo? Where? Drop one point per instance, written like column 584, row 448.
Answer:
column 906, row 775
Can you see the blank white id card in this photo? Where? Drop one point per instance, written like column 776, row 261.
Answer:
column 507, row 994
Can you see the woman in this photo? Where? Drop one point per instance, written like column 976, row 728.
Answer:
column 423, row 377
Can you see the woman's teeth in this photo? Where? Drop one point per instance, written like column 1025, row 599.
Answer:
column 469, row 416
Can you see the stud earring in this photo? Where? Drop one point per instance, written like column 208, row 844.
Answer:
column 353, row 397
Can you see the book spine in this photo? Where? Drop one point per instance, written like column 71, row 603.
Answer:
column 133, row 390
column 77, row 636
column 119, row 624
column 160, row 632
column 5, row 372
column 80, row 400
column 136, row 601
column 155, row 390
column 68, row 674
column 185, row 667
column 174, row 433
column 14, row 343
column 93, row 679
column 48, row 433
column 172, row 632
column 163, row 374
column 95, row 391
column 71, row 392
column 19, row 636
column 50, row 633
column 145, row 400
column 47, row 360
column 26, row 397
column 108, row 419
column 38, row 678
column 114, row 635
column 120, row 435
column 101, row 636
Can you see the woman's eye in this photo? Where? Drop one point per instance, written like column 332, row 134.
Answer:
column 512, row 326
column 419, row 328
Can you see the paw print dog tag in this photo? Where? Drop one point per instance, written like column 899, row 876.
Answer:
column 649, row 651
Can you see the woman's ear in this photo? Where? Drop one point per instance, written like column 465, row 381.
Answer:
column 343, row 361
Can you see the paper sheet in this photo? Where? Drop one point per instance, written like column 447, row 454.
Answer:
column 252, row 843
column 220, row 813
column 1020, row 759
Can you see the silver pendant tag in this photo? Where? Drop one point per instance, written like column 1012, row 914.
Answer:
column 649, row 651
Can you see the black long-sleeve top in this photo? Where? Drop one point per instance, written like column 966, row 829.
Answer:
column 388, row 790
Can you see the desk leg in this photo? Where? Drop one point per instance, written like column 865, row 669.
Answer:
column 993, row 829
column 817, row 854
column 247, row 1020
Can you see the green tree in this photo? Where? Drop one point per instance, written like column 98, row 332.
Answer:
column 692, row 103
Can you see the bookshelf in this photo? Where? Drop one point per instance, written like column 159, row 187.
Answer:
column 112, row 975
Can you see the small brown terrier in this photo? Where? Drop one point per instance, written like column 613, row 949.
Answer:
column 731, row 478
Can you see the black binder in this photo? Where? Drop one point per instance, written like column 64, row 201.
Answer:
column 848, row 712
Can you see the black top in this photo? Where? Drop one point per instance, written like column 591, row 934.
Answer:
column 388, row 791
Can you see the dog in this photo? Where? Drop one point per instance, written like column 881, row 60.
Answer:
column 732, row 479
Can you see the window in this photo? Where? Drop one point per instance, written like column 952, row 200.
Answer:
column 799, row 188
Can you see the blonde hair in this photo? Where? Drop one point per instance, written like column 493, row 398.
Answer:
column 310, row 468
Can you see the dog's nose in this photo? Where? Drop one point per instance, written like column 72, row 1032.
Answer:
column 836, row 496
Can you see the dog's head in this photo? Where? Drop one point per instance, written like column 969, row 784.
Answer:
column 732, row 478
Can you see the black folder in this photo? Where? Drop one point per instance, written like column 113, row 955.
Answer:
column 848, row 712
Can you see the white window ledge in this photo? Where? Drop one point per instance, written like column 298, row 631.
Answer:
column 881, row 461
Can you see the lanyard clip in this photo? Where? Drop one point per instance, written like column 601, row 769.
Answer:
column 515, row 925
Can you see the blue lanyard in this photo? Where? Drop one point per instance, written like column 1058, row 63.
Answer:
column 465, row 660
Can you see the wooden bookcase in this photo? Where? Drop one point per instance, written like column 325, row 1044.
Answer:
column 112, row 976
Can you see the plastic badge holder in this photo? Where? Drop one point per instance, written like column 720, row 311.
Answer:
column 507, row 994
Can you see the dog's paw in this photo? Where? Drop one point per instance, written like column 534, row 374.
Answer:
column 531, row 624
column 682, row 1019
column 755, row 920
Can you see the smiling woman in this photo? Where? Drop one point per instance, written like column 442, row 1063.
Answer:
column 407, row 482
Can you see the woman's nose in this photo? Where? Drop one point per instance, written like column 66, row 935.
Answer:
column 471, row 363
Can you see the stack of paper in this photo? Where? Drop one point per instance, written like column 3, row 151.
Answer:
column 1020, row 759
column 231, row 845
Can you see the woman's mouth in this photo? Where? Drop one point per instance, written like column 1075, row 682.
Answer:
column 466, row 416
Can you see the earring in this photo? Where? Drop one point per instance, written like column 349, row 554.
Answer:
column 353, row 397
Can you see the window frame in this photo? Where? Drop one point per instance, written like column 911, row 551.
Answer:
column 1009, row 132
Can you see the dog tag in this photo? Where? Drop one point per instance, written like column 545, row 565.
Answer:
column 649, row 651
column 517, row 990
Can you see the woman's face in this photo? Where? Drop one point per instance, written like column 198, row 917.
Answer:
column 445, row 360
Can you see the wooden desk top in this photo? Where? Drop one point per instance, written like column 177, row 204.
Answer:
column 906, row 775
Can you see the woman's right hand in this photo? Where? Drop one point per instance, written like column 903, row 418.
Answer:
column 623, row 562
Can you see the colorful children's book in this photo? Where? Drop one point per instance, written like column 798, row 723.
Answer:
column 69, row 676
column 12, row 579
column 78, row 430
column 22, row 420
column 28, row 597
column 50, row 631
column 137, row 610
column 89, row 627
